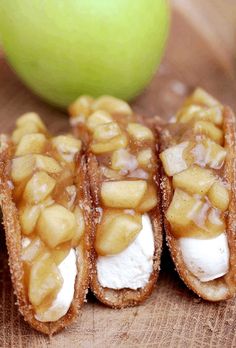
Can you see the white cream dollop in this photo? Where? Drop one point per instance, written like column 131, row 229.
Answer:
column 207, row 259
column 133, row 266
column 62, row 302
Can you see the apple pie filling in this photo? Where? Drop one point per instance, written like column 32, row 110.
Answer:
column 47, row 197
column 124, row 190
column 201, row 194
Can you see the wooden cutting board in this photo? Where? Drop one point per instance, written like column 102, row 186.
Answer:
column 200, row 52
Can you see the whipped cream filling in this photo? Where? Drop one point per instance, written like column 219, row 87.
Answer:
column 133, row 266
column 207, row 259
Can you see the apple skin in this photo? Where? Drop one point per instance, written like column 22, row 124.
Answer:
column 64, row 48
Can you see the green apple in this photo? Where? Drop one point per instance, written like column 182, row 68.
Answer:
column 64, row 48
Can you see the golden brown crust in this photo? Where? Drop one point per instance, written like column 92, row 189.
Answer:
column 124, row 297
column 224, row 287
column 13, row 241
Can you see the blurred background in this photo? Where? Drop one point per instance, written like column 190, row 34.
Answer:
column 201, row 51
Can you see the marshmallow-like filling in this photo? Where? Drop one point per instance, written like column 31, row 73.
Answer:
column 207, row 259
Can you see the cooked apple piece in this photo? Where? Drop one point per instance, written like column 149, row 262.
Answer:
column 38, row 188
column 80, row 226
column 122, row 159
column 47, row 202
column 215, row 154
column 31, row 143
column 48, row 164
column 116, row 143
column 173, row 159
column 219, row 196
column 212, row 114
column 210, row 130
column 60, row 252
column 123, row 194
column 97, row 118
column 194, row 180
column 70, row 196
column 81, row 106
column 182, row 212
column 105, row 132
column 18, row 133
column 67, row 146
column 139, row 132
column 215, row 223
column 110, row 173
column 149, row 200
column 188, row 113
column 56, row 225
column 145, row 158
column 45, row 279
column 22, row 168
column 208, row 153
column 30, row 118
column 201, row 97
column 112, row 105
column 115, row 236
column 33, row 250
column 28, row 216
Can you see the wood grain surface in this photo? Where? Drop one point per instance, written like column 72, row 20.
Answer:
column 201, row 51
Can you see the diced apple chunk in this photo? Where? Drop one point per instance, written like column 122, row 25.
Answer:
column 194, row 180
column 122, row 159
column 28, row 216
column 215, row 154
column 33, row 250
column 80, row 226
column 56, row 225
column 31, row 143
column 149, row 200
column 30, row 118
column 112, row 105
column 116, row 143
column 45, row 279
column 123, row 194
column 116, row 235
column 181, row 214
column 145, row 158
column 60, row 252
column 187, row 113
column 67, row 146
column 139, row 132
column 18, row 133
column 219, row 196
column 215, row 223
column 212, row 114
column 22, row 168
column 81, row 106
column 210, row 130
column 173, row 159
column 201, row 97
column 48, row 164
column 110, row 173
column 105, row 132
column 97, row 118
column 38, row 188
